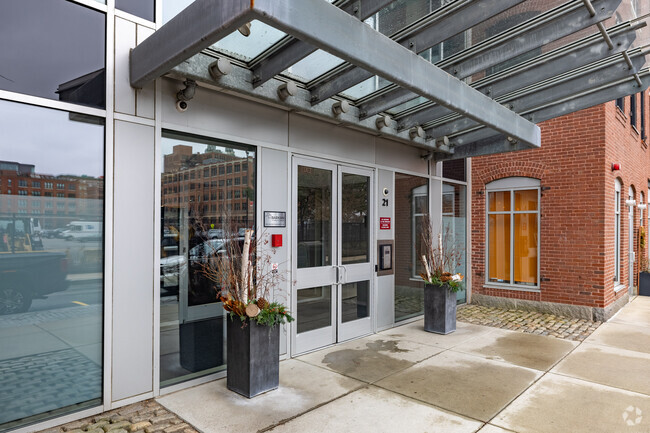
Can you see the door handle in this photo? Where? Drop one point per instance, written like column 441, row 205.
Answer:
column 340, row 274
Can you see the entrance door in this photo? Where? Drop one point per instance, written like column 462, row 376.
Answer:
column 332, row 257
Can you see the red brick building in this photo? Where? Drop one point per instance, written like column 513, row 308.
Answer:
column 557, row 228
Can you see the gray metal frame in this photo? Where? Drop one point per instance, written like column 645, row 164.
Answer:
column 327, row 27
column 534, row 33
column 576, row 55
column 450, row 20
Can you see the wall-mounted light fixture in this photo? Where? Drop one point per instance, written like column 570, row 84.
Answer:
column 442, row 141
column 287, row 89
column 383, row 122
column 427, row 156
column 416, row 132
column 616, row 166
column 219, row 68
column 340, row 107
column 245, row 29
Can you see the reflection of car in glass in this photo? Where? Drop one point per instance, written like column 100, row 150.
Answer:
column 171, row 268
column 26, row 272
column 83, row 231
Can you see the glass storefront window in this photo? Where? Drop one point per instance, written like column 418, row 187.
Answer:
column 454, row 220
column 199, row 218
column 51, row 262
column 411, row 204
column 54, row 49
column 141, row 8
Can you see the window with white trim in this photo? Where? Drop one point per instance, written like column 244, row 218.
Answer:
column 617, row 233
column 513, row 232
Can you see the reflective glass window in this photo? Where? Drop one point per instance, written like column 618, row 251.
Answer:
column 193, row 231
column 411, row 203
column 54, row 49
column 140, row 8
column 454, row 223
column 51, row 262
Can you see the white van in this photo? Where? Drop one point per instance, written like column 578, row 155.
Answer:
column 83, row 231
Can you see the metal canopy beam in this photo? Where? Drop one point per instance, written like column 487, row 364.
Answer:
column 450, row 20
column 535, row 33
column 578, row 54
column 590, row 98
column 296, row 50
column 198, row 26
column 558, row 88
column 238, row 81
column 331, row 29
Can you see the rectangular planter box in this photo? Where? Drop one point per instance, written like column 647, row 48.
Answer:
column 439, row 309
column 253, row 358
column 644, row 283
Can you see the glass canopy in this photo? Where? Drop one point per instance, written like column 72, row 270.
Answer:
column 520, row 53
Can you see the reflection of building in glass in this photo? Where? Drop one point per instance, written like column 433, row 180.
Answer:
column 67, row 197
column 211, row 184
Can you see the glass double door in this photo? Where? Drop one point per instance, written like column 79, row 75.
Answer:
column 332, row 254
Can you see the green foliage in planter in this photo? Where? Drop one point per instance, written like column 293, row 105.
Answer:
column 272, row 314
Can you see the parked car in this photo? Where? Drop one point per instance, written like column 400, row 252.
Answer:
column 171, row 270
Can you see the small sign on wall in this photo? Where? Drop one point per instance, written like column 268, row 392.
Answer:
column 275, row 219
column 384, row 223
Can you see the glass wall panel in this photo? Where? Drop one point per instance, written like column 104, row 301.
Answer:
column 51, row 262
column 314, row 217
column 140, row 8
column 355, row 301
column 411, row 205
column 499, row 201
column 525, row 199
column 355, row 202
column 454, row 219
column 314, row 308
column 454, row 169
column 208, row 200
column 53, row 49
column 525, row 245
column 499, row 247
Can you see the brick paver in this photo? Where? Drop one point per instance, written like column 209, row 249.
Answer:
column 143, row 417
column 528, row 321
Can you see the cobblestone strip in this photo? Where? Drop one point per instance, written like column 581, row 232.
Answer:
column 143, row 417
column 528, row 321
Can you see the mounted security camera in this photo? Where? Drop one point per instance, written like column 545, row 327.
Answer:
column 181, row 106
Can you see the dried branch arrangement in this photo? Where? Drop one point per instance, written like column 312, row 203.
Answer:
column 242, row 269
column 441, row 256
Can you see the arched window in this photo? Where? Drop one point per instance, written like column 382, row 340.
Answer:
column 513, row 232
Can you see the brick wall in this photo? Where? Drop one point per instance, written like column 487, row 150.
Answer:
column 577, row 253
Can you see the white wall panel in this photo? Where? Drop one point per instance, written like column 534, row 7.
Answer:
column 327, row 138
column 400, row 156
column 133, row 258
column 273, row 191
column 125, row 39
column 225, row 115
column 145, row 97
column 386, row 283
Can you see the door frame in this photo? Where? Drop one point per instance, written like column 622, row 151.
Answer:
column 336, row 272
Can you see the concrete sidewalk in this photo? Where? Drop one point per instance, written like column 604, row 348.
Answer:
column 476, row 379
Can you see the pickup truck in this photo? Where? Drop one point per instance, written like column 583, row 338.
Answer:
column 26, row 271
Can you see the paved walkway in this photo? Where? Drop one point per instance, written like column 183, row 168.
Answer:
column 478, row 379
column 528, row 321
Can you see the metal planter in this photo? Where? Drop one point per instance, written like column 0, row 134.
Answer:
column 439, row 309
column 644, row 283
column 253, row 358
